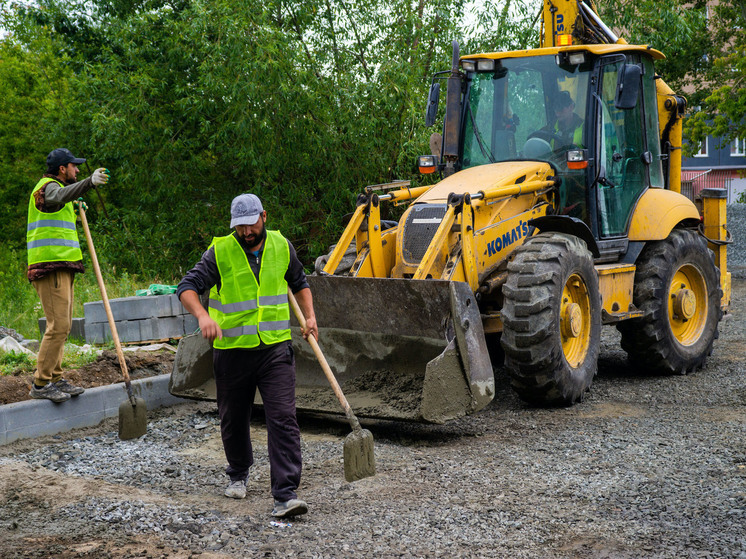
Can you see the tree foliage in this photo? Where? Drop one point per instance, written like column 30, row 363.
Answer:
column 677, row 28
column 705, row 44
column 723, row 103
column 189, row 103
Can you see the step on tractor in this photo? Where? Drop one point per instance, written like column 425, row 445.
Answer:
column 558, row 210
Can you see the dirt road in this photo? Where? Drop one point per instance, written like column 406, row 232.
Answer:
column 644, row 467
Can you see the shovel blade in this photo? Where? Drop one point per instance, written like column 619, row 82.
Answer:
column 359, row 458
column 133, row 420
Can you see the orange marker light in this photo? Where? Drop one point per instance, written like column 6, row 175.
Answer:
column 564, row 40
column 427, row 164
column 577, row 159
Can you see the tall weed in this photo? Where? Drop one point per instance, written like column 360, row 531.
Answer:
column 19, row 305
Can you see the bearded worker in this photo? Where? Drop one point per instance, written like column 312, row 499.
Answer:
column 54, row 257
column 247, row 274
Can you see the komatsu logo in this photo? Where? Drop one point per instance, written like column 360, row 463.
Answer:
column 523, row 229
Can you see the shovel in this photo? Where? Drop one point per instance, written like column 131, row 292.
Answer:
column 133, row 421
column 359, row 460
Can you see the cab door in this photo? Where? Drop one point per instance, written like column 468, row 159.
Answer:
column 623, row 157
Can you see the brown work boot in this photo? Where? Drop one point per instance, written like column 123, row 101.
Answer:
column 48, row 392
column 64, row 386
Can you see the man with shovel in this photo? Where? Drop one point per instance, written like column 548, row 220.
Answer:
column 54, row 257
column 248, row 273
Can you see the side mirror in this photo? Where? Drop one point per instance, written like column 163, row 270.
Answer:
column 432, row 104
column 628, row 87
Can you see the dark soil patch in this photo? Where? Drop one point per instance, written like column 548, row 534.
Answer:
column 105, row 370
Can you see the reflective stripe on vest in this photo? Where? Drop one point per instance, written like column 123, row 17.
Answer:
column 51, row 237
column 247, row 312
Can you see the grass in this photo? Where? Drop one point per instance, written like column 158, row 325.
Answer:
column 13, row 361
column 20, row 308
column 74, row 357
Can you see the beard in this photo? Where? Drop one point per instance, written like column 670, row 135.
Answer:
column 253, row 241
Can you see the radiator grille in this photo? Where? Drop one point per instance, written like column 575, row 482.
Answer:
column 419, row 229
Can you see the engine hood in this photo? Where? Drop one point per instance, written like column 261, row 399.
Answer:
column 474, row 179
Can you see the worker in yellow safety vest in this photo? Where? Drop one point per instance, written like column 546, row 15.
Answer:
column 54, row 257
column 568, row 126
column 247, row 274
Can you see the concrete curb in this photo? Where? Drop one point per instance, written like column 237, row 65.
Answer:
column 35, row 418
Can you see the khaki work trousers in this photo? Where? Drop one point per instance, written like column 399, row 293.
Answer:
column 56, row 294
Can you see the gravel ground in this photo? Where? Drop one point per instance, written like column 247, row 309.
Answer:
column 643, row 467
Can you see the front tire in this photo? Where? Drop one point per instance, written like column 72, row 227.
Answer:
column 677, row 285
column 551, row 320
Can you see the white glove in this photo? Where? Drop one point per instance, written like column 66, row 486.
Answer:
column 100, row 176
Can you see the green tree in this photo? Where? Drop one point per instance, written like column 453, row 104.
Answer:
column 723, row 99
column 677, row 28
column 190, row 103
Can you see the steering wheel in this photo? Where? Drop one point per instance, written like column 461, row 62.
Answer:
column 545, row 135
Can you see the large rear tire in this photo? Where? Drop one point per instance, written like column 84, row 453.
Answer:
column 551, row 320
column 677, row 285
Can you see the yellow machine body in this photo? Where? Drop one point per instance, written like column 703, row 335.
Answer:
column 521, row 247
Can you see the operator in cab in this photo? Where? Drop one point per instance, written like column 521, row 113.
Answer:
column 568, row 126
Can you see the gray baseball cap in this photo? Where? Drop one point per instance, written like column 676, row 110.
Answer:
column 245, row 210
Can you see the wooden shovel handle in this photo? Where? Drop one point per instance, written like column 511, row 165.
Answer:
column 322, row 361
column 105, row 299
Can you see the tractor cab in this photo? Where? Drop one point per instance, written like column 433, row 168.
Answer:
column 590, row 112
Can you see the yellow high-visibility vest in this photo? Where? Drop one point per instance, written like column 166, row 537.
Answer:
column 248, row 311
column 51, row 237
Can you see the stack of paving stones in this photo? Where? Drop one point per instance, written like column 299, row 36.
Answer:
column 139, row 319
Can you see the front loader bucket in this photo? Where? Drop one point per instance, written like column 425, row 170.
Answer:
column 400, row 349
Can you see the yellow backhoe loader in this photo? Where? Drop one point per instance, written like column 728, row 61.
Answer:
column 558, row 210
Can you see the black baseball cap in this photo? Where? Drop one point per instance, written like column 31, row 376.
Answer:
column 62, row 156
column 563, row 99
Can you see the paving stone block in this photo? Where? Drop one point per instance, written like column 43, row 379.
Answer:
column 95, row 333
column 176, row 307
column 77, row 329
column 191, row 324
column 94, row 312
column 169, row 327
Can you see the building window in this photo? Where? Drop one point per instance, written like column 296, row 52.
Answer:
column 702, row 149
column 738, row 147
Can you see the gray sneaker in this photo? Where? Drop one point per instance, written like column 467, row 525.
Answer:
column 48, row 392
column 293, row 507
column 236, row 489
column 63, row 386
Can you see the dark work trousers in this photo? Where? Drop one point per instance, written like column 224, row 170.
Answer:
column 238, row 373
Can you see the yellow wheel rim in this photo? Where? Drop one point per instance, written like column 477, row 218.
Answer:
column 575, row 320
column 687, row 304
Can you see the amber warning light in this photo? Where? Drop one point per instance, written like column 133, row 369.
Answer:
column 577, row 159
column 427, row 164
